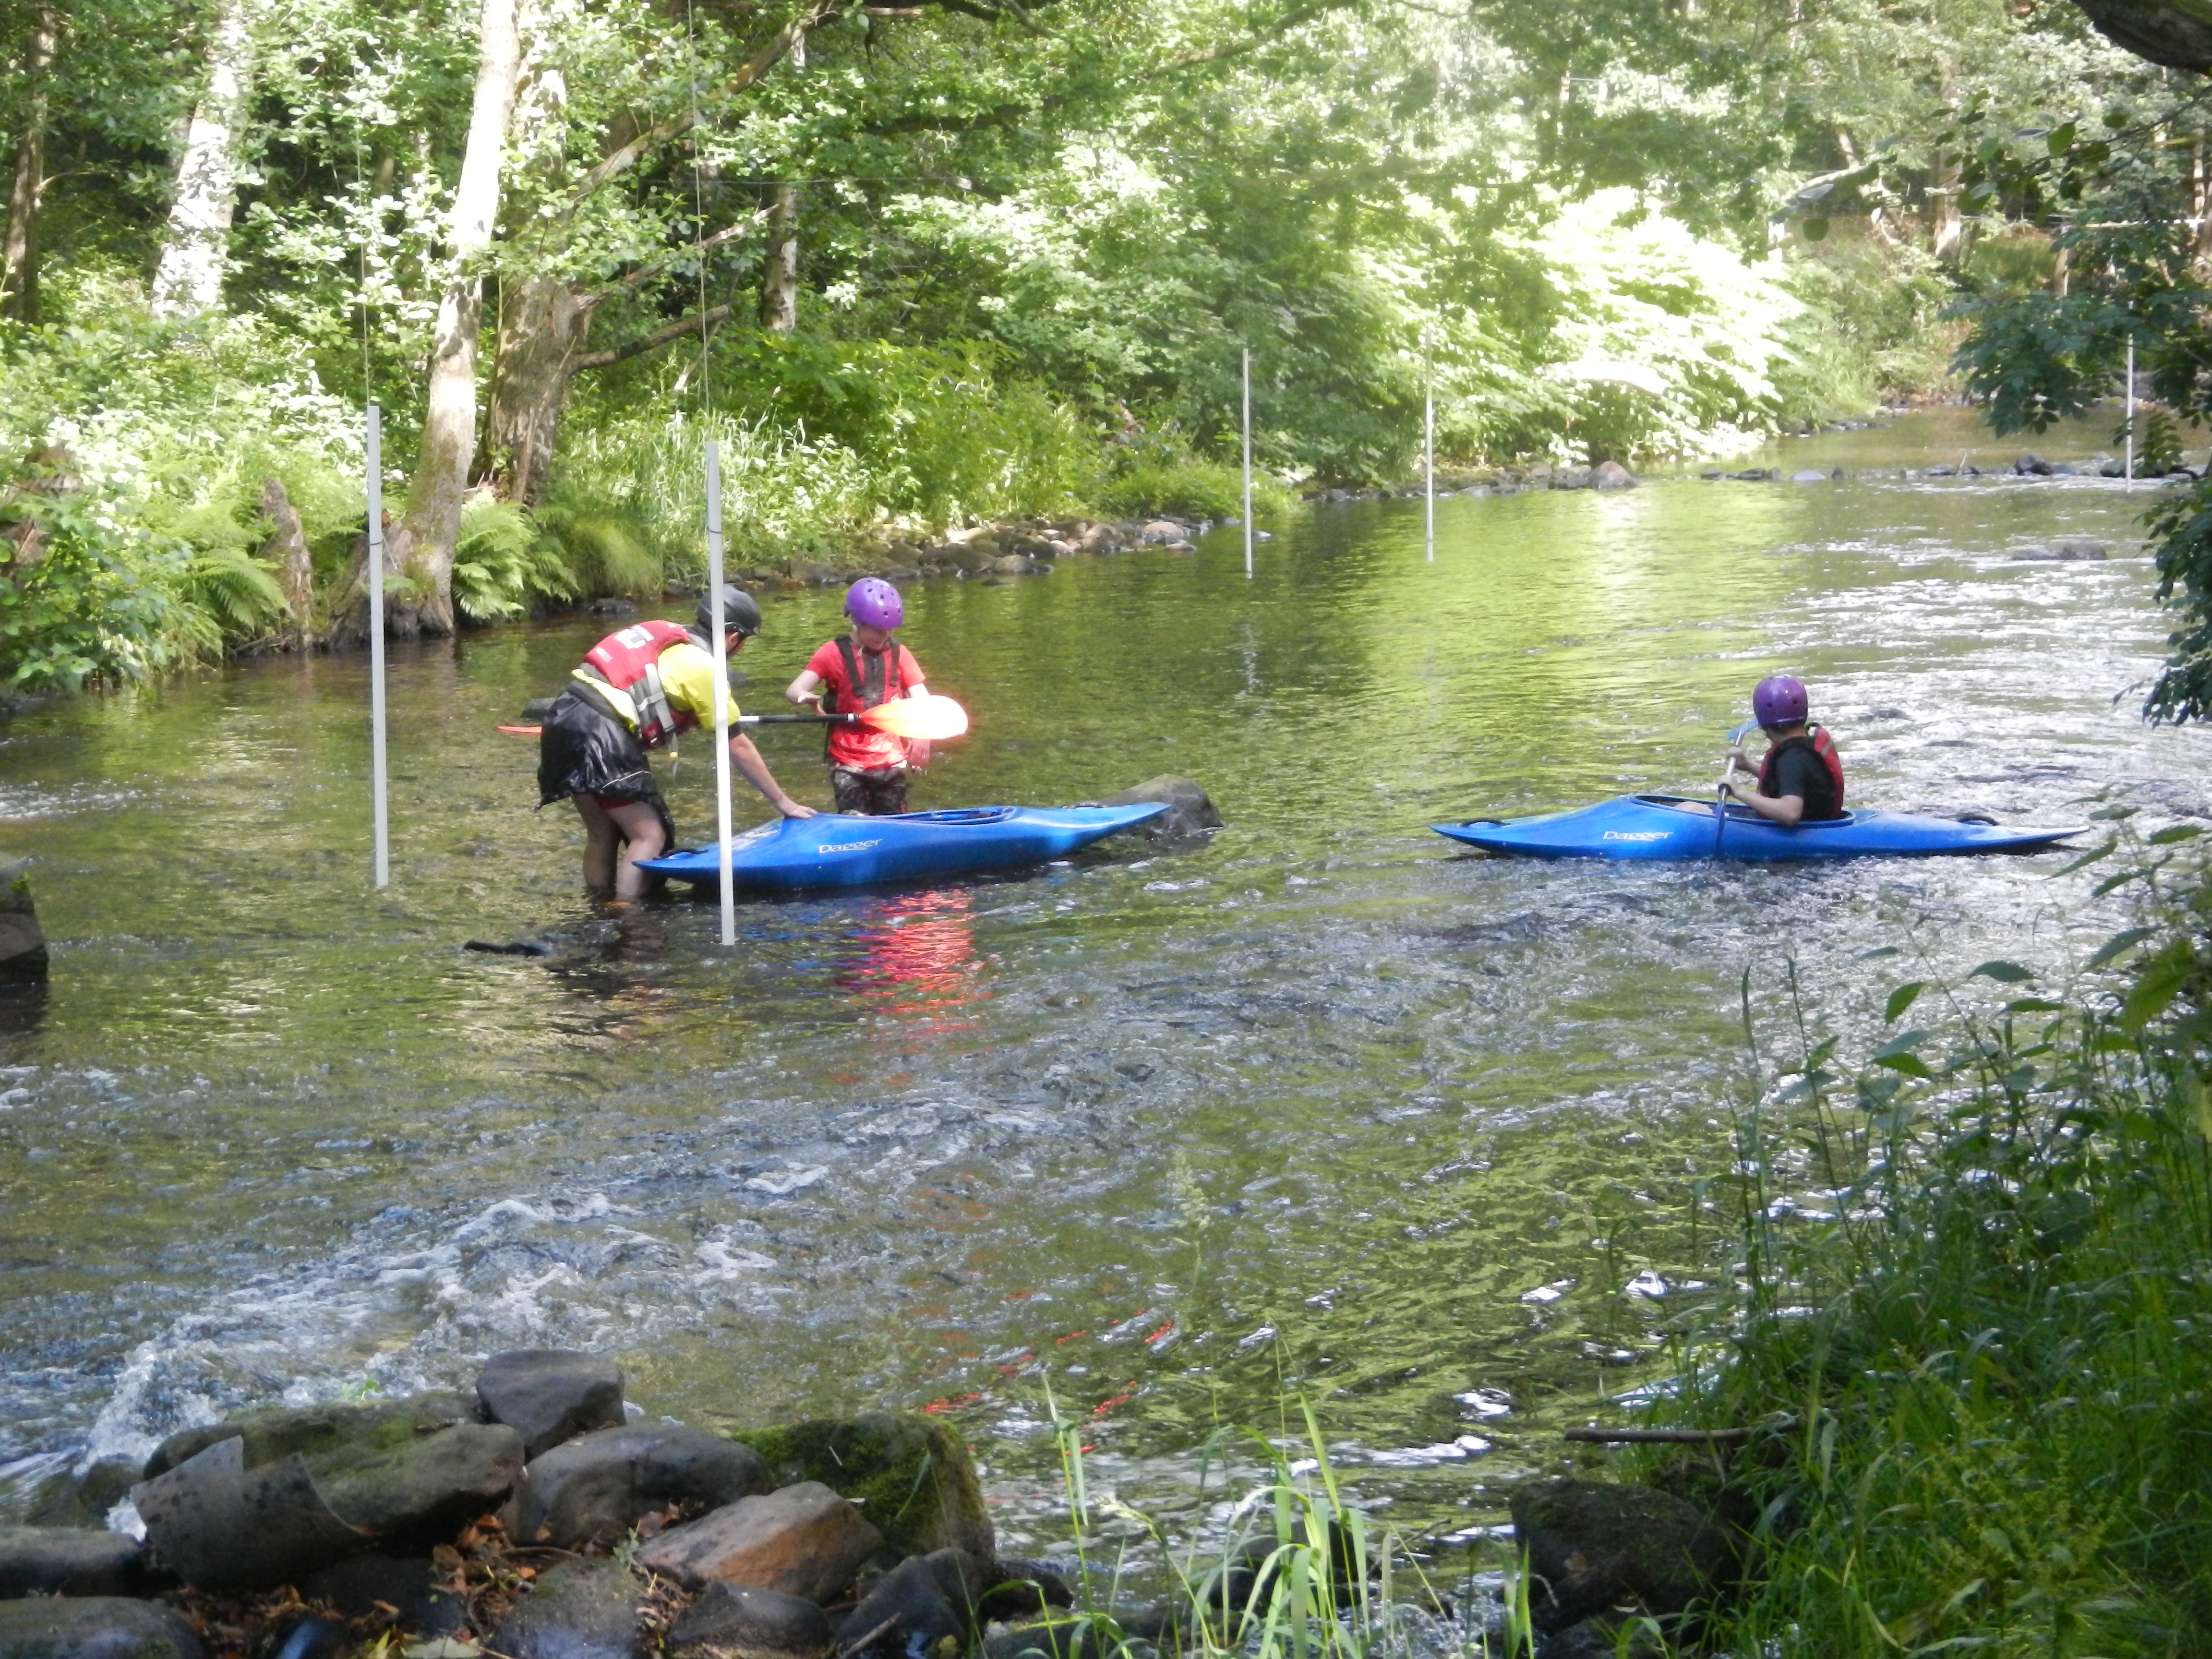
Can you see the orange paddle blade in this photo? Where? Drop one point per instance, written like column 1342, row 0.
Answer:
column 930, row 717
column 523, row 730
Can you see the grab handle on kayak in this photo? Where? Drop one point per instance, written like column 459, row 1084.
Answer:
column 1465, row 821
column 1976, row 817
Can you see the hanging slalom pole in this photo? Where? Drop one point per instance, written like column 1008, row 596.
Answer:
column 373, row 575
column 1429, row 437
column 2130, row 420
column 1248, row 463
column 721, row 689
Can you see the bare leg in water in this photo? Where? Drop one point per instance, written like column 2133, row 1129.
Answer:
column 605, row 830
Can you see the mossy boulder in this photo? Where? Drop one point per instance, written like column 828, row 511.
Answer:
column 911, row 1475
column 338, row 1428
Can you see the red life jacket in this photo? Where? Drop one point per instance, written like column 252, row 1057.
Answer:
column 882, row 679
column 1822, row 745
column 629, row 661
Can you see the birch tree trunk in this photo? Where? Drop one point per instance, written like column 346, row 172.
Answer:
column 188, row 277
column 18, row 252
column 423, row 542
column 1948, row 233
column 778, row 308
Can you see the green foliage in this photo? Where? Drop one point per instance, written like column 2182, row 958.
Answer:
column 1982, row 1382
column 501, row 561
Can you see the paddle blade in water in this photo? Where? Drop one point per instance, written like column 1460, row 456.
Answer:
column 930, row 717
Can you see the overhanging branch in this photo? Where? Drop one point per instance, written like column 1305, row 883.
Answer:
column 666, row 334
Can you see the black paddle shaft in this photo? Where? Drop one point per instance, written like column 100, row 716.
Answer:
column 798, row 720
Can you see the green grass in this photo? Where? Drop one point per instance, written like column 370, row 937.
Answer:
column 1986, row 1382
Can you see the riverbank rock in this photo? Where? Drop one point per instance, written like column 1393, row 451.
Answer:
column 93, row 1627
column 412, row 1587
column 547, row 1395
column 271, row 1495
column 577, row 1610
column 1190, row 809
column 1612, row 475
column 1594, row 1546
column 2033, row 466
column 55, row 1561
column 731, row 1621
column 22, row 943
column 594, row 1490
column 68, row 1499
column 923, row 1601
column 911, row 1475
column 802, row 1539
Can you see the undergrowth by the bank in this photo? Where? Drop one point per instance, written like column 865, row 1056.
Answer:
column 1975, row 1329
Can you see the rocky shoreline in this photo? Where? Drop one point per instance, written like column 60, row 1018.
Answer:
column 541, row 1518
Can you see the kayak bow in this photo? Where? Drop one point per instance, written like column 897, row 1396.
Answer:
column 1677, row 827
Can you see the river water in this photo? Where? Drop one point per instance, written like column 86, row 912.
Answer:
column 1166, row 1137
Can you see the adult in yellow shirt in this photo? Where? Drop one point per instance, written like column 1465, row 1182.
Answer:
column 637, row 689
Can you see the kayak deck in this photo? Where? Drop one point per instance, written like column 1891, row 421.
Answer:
column 1681, row 828
column 834, row 849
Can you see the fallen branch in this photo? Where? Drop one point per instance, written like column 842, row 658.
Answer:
column 1660, row 1436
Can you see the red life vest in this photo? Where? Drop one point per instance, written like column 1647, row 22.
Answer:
column 1822, row 745
column 629, row 661
column 872, row 677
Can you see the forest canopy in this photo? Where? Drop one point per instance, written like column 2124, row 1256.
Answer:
column 923, row 264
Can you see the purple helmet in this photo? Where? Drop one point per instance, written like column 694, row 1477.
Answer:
column 875, row 602
column 1779, row 701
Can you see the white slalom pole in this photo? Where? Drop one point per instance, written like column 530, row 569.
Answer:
column 1429, row 439
column 721, row 688
column 373, row 575
column 1248, row 463
column 2131, row 406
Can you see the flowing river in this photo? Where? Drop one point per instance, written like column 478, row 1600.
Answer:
column 1164, row 1137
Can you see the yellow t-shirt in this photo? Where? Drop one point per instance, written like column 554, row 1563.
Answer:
column 687, row 677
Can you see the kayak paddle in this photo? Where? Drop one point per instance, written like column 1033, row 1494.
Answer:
column 1720, row 794
column 928, row 718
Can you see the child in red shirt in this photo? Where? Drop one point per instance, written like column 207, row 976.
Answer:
column 868, row 768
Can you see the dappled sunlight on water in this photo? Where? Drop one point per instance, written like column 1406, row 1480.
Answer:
column 1320, row 1103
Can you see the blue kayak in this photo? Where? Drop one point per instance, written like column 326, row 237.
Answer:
column 1676, row 827
column 789, row 856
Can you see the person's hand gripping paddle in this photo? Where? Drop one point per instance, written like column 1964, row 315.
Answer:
column 927, row 717
column 1720, row 794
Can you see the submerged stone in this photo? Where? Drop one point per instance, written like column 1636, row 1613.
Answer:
column 735, row 1622
column 1594, row 1546
column 1190, row 809
column 60, row 1561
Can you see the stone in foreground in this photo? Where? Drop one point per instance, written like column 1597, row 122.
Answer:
column 578, row 1610
column 62, row 1561
column 1593, row 1546
column 594, row 1490
column 731, row 1621
column 93, row 1627
column 803, row 1539
column 547, row 1395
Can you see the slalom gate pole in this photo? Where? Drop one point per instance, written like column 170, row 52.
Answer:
column 1248, row 463
column 722, row 689
column 2131, row 406
column 372, row 573
column 1429, row 444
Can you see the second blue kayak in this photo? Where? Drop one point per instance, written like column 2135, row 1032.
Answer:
column 789, row 856
column 1676, row 827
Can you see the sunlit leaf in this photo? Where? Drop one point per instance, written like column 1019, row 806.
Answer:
column 2089, row 858
column 2005, row 973
column 2118, row 945
column 2174, row 832
column 1903, row 998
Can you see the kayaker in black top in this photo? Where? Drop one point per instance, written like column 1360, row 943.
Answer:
column 1800, row 779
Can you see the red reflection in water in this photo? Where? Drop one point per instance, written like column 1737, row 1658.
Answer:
column 917, row 960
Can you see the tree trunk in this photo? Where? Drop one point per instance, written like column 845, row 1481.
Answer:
column 1949, row 229
column 286, row 549
column 188, row 278
column 542, row 327
column 19, row 253
column 423, row 543
column 778, row 306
